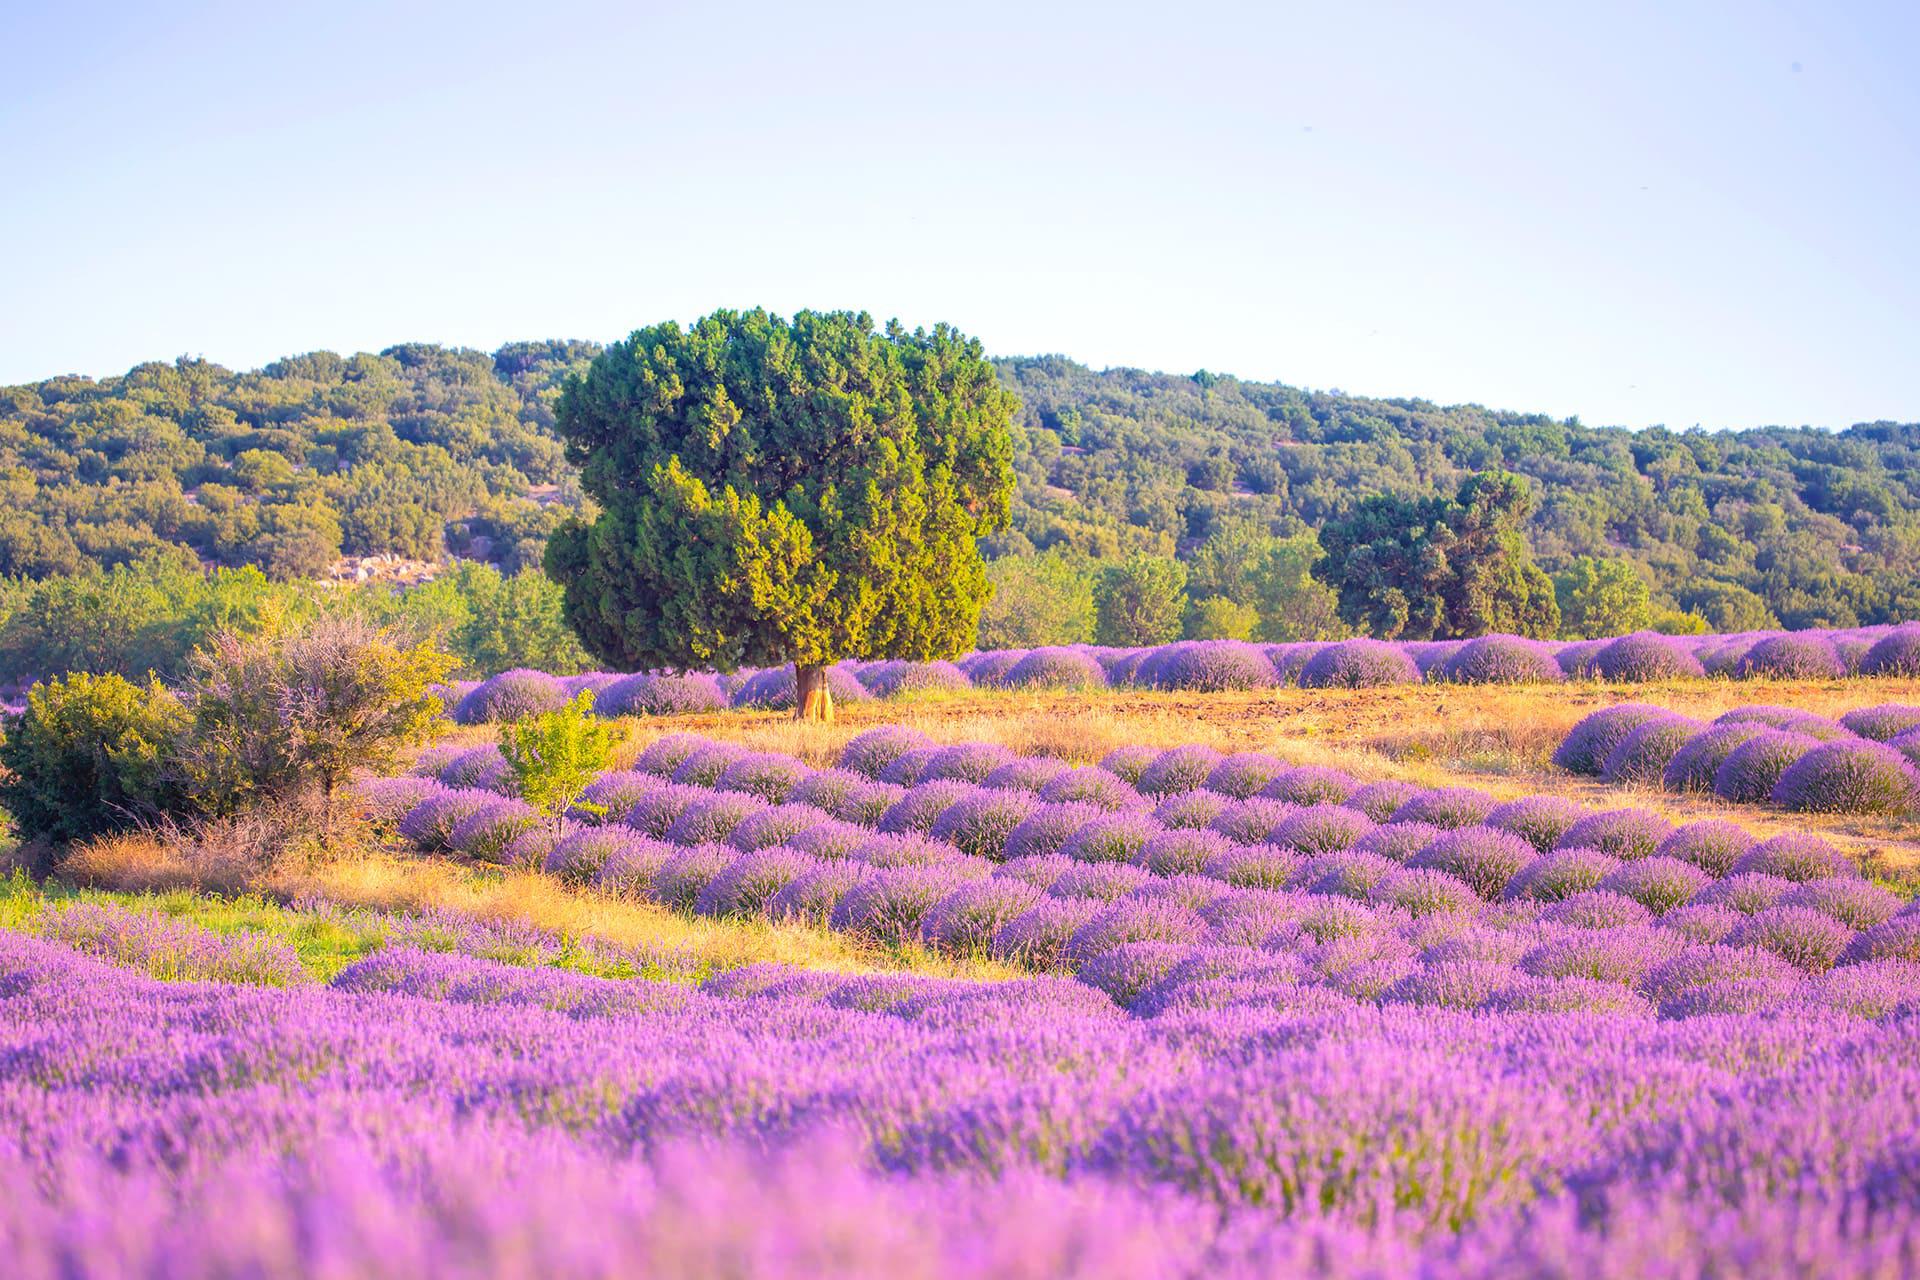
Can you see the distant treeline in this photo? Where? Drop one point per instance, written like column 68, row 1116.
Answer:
column 1166, row 505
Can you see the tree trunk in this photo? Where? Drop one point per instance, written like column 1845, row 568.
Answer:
column 812, row 699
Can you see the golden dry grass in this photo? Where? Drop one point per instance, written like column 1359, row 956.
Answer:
column 387, row 881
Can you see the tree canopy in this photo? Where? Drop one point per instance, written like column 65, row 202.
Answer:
column 776, row 491
column 1439, row 568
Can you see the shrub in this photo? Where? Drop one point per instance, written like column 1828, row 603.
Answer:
column 921, row 806
column 870, row 752
column 967, row 761
column 1216, row 665
column 429, row 824
column 1182, row 852
column 1091, row 784
column 1656, row 883
column 1345, row 873
column 1713, row 846
column 481, row 767
column 1047, row 828
column 909, row 767
column 1243, row 774
column 1761, row 713
column 1571, row 995
column 670, row 694
column 1423, row 892
column 656, row 811
column 831, row 840
column 1105, row 881
column 1055, row 669
column 1882, row 723
column 979, row 824
column 1797, row 857
column 704, row 766
column 1359, row 664
column 1130, row 921
column 1801, row 936
column 907, row 679
column 611, row 796
column 580, row 856
column 1557, row 876
column 1309, row 785
column 1746, row 892
column 1250, row 821
column 1592, row 740
column 1128, row 763
column 1177, row 769
column 967, row 919
column 1895, row 654
column 1642, row 756
column 1398, row 840
column 1483, row 858
column 711, row 819
column 1037, row 869
column 1753, row 769
column 1873, row 990
column 553, row 756
column 891, row 905
column 511, row 695
column 1321, row 828
column 776, row 826
column 1539, row 820
column 1603, row 955
column 1895, row 939
column 281, row 716
column 1850, row 777
column 91, row 754
column 1447, row 807
column 630, row 868
column 1908, row 745
column 1701, row 922
column 766, row 774
column 1624, row 833
column 386, row 799
column 989, row 670
column 1038, row 936
column 1695, row 765
column 748, row 884
column 1254, row 866
column 1644, row 656
column 1025, row 773
column 1855, row 903
column 1501, row 659
column 1379, row 800
column 664, row 756
column 1597, row 909
column 1191, row 810
column 1117, row 837
column 1576, row 660
column 1793, row 656
column 486, row 832
column 813, row 896
column 773, row 689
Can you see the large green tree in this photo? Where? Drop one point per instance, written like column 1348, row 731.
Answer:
column 1437, row 567
column 776, row 491
column 1601, row 598
column 1140, row 600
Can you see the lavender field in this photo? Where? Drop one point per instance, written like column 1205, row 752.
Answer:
column 1217, row 665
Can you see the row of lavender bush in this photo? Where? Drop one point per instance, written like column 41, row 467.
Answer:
column 1383, row 892
column 1211, row 665
column 438, row 1116
column 1868, row 761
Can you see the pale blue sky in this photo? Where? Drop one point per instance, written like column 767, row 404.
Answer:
column 1670, row 212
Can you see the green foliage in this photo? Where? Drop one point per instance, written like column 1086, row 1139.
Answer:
column 1038, row 600
column 1427, row 568
column 1221, row 618
column 555, row 754
column 281, row 716
column 1292, row 603
column 492, row 621
column 1728, row 607
column 776, row 491
column 1601, row 598
column 90, row 754
column 1141, row 600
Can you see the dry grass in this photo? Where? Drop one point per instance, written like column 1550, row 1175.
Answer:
column 385, row 881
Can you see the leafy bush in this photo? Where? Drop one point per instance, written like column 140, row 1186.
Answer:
column 91, row 754
column 555, row 756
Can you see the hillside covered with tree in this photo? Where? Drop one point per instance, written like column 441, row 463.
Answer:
column 1162, row 503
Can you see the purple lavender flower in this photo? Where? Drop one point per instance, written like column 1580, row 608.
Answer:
column 1500, row 659
column 1597, row 909
column 1713, row 846
column 773, row 689
column 1882, row 723
column 1553, row 877
column 1025, row 773
column 1746, row 892
column 1379, row 800
column 1895, row 654
column 1447, row 807
column 1803, row 937
column 1055, row 668
column 1697, row 763
column 1094, row 785
column 704, row 766
column 1254, row 866
column 748, row 884
column 1850, row 777
column 1895, row 939
column 683, row 877
column 1321, row 828
column 1424, row 891
column 1483, row 858
column 814, row 896
column 1215, row 665
column 511, row 695
column 1646, row 656
column 765, row 774
column 892, row 905
column 967, row 919
column 1103, row 881
column 981, row 822
column 1047, row 828
column 1588, row 744
column 1642, row 757
column 1249, row 821
column 1128, row 763
column 1191, row 809
column 1176, row 769
column 1116, row 837
column 1539, row 820
column 1791, row 656
column 1796, row 856
column 1656, row 883
column 1359, row 664
column 1037, row 938
column 712, row 819
column 1624, row 833
column 1856, row 903
column 1398, row 841
column 1243, row 774
column 1182, row 852
column 1310, row 785
column 910, row 766
column 664, row 756
column 870, row 752
column 922, row 806
column 1133, row 920
column 777, row 825
column 654, row 813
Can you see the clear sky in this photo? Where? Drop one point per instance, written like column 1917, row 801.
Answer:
column 1669, row 212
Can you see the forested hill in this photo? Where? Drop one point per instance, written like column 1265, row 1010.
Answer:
column 421, row 450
